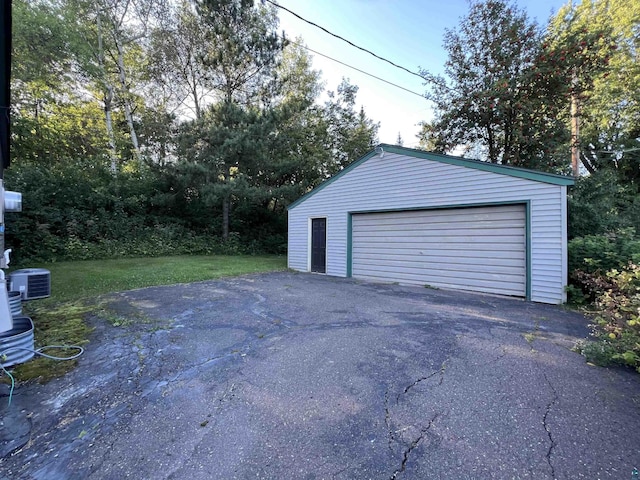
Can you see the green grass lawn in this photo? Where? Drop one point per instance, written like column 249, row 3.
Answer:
column 82, row 279
column 75, row 286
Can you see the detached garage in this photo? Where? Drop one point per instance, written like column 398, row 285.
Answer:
column 419, row 218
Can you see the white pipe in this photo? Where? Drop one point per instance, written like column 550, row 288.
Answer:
column 6, row 320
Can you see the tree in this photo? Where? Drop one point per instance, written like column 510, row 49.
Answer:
column 111, row 58
column 297, row 145
column 246, row 48
column 52, row 119
column 429, row 139
column 492, row 98
column 350, row 133
column 592, row 48
column 179, row 44
column 246, row 52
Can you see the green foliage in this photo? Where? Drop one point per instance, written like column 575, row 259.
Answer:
column 41, row 41
column 513, row 91
column 617, row 318
column 77, row 210
column 576, row 49
column 350, row 133
column 591, row 255
column 591, row 54
column 91, row 76
column 247, row 48
column 605, row 252
column 602, row 202
column 494, row 101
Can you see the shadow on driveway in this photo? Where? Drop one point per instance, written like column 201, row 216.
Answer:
column 298, row 376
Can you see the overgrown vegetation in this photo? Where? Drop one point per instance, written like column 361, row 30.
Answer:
column 148, row 127
column 54, row 324
column 617, row 317
column 604, row 272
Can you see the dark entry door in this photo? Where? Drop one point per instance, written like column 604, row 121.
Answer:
column 319, row 245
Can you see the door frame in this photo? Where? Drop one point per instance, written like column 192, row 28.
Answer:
column 310, row 241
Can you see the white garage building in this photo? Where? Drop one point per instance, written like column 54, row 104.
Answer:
column 415, row 217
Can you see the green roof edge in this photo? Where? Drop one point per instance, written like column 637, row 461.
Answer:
column 517, row 172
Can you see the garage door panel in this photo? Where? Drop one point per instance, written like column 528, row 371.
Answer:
column 455, row 248
column 426, row 260
column 452, row 271
column 444, row 217
column 461, row 242
column 480, row 249
column 502, row 265
column 476, row 285
column 461, row 231
column 415, row 225
column 408, row 222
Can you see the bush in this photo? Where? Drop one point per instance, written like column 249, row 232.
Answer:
column 596, row 254
column 77, row 210
column 604, row 252
column 617, row 318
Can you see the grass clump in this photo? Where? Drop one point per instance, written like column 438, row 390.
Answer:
column 54, row 324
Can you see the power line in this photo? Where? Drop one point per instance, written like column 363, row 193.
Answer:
column 358, row 70
column 427, row 78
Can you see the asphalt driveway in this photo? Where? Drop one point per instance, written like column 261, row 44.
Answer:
column 298, row 376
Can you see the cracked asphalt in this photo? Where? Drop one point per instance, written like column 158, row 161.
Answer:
column 299, row 376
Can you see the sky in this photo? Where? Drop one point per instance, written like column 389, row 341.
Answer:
column 407, row 32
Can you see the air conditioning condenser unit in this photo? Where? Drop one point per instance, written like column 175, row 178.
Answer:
column 32, row 283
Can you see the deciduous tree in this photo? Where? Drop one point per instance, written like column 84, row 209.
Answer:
column 491, row 97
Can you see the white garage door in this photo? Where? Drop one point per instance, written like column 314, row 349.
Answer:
column 480, row 249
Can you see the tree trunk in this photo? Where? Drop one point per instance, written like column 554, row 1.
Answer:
column 108, row 101
column 127, row 105
column 225, row 217
column 575, row 134
column 113, row 154
column 493, row 157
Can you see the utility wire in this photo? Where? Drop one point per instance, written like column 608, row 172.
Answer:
column 427, row 78
column 358, row 70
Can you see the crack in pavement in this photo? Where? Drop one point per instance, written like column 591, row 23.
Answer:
column 423, row 431
column 387, row 421
column 411, row 447
column 422, row 379
column 552, row 402
column 500, row 356
column 552, row 442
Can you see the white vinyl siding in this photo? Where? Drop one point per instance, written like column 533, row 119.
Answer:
column 402, row 182
column 478, row 249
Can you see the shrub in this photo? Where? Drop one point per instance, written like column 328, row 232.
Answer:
column 604, row 252
column 596, row 254
column 617, row 317
column 76, row 210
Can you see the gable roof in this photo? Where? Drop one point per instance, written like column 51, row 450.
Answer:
column 448, row 159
